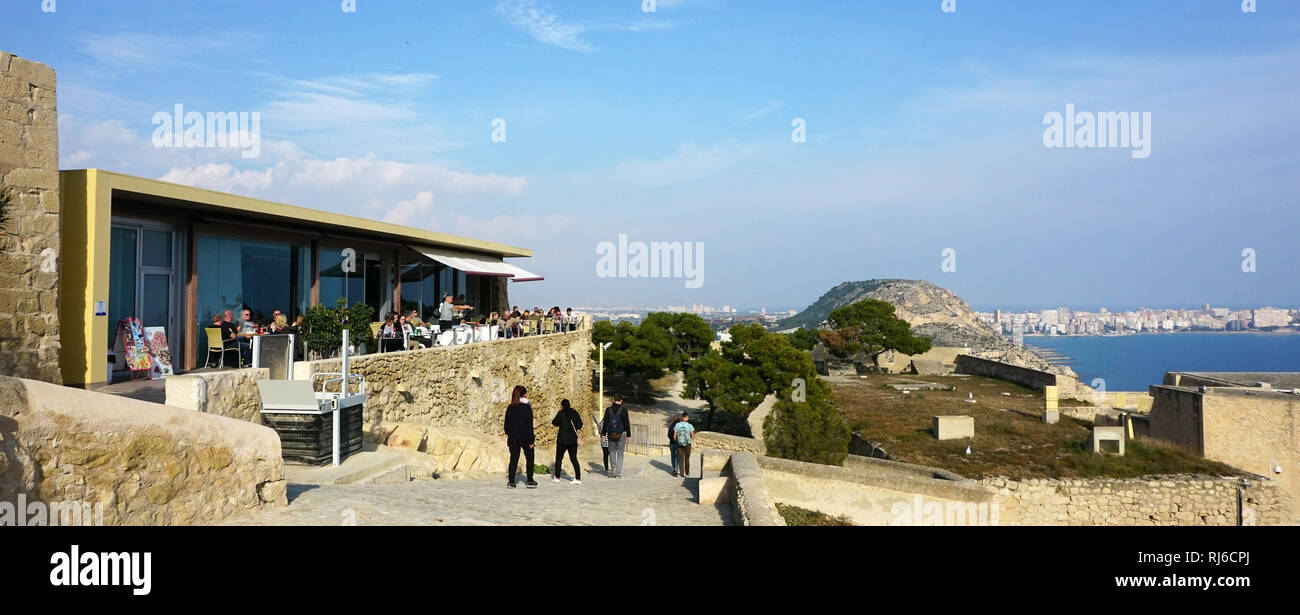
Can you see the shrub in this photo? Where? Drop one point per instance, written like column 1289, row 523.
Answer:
column 812, row 431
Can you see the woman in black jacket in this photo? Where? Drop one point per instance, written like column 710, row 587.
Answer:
column 570, row 423
column 519, row 434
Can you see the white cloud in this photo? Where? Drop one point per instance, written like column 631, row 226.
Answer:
column 544, row 25
column 767, row 108
column 132, row 51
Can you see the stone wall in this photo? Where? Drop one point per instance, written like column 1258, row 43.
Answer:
column 147, row 464
column 1067, row 387
column 1255, row 431
column 469, row 386
column 1178, row 500
column 876, row 492
column 231, row 394
column 747, row 492
column 29, row 242
column 713, row 441
column 1176, row 417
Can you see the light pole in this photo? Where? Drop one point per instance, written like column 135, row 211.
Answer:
column 600, row 404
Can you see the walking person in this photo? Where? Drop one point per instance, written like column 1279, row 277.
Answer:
column 604, row 448
column 616, row 427
column 672, row 440
column 685, row 434
column 519, row 434
column 567, row 440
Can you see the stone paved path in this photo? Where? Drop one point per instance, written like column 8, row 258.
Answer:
column 647, row 494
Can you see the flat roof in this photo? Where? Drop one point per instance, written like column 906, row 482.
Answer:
column 152, row 190
column 1278, row 380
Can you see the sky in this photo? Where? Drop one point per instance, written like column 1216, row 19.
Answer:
column 793, row 145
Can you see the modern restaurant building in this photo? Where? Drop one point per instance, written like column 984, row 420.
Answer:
column 172, row 256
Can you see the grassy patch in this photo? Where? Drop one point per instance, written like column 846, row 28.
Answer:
column 802, row 517
column 1010, row 437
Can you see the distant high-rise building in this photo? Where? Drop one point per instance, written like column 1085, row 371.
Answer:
column 1270, row 317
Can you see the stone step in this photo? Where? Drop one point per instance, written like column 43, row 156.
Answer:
column 364, row 468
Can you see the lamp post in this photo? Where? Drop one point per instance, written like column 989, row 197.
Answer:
column 600, row 404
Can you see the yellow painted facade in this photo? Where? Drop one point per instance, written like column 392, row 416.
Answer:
column 87, row 200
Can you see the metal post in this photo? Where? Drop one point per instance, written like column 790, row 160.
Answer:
column 343, row 395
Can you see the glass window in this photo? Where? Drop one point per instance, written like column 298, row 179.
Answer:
column 156, row 249
column 429, row 291
column 302, row 281
column 375, row 288
column 335, row 284
column 235, row 274
column 121, row 277
column 156, row 300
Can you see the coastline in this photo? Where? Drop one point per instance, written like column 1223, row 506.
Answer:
column 1134, row 333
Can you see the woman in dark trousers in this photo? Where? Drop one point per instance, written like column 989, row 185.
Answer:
column 672, row 440
column 519, row 434
column 570, row 423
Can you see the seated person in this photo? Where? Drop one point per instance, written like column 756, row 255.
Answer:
column 390, row 335
column 247, row 329
column 227, row 331
column 570, row 322
column 413, row 317
column 414, row 341
column 279, row 324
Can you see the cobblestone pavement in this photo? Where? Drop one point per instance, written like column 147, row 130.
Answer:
column 646, row 495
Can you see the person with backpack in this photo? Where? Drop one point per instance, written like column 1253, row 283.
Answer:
column 604, row 448
column 568, row 438
column 519, row 434
column 684, row 434
column 672, row 439
column 616, row 427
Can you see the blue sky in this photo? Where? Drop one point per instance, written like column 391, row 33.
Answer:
column 924, row 132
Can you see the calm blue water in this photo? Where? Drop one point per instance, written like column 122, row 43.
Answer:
column 1134, row 362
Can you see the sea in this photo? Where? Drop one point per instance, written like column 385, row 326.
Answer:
column 1134, row 362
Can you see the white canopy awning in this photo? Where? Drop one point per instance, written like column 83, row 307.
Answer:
column 478, row 264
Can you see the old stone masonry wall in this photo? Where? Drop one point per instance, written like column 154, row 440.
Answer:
column 1177, row 500
column 469, row 386
column 29, row 241
column 143, row 463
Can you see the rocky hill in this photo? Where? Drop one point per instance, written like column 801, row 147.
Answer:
column 933, row 311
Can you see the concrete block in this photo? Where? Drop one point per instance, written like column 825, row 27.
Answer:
column 712, row 489
column 954, row 427
column 1108, row 440
column 714, row 461
column 1051, row 417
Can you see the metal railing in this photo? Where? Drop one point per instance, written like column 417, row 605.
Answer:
column 649, row 435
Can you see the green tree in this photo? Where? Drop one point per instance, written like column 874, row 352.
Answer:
column 634, row 352
column 358, row 320
column 753, row 365
column 812, row 431
column 690, row 336
column 803, row 339
column 871, row 326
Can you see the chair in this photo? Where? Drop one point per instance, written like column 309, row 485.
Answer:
column 526, row 328
column 215, row 344
column 548, row 325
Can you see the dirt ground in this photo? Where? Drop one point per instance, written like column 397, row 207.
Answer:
column 1010, row 437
